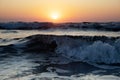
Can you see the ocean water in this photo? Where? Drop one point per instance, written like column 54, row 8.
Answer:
column 61, row 54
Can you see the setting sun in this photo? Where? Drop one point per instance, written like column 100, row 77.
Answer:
column 60, row 10
column 55, row 16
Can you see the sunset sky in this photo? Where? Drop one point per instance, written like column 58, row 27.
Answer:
column 60, row 10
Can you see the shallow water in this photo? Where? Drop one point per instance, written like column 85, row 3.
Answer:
column 19, row 65
column 39, row 67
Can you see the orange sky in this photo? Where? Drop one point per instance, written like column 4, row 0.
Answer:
column 68, row 10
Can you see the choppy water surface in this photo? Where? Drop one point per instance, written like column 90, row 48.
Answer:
column 24, row 33
column 18, row 65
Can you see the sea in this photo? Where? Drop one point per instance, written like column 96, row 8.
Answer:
column 59, row 54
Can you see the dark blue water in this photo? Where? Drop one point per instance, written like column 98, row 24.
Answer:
column 19, row 65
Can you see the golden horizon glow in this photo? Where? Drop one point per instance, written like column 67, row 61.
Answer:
column 62, row 10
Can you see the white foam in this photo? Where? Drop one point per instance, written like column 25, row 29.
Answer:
column 97, row 52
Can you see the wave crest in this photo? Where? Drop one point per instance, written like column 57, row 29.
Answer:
column 88, row 51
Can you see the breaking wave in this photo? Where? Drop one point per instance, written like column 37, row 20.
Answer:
column 91, row 49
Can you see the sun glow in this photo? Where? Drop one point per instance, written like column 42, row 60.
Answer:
column 55, row 16
column 60, row 10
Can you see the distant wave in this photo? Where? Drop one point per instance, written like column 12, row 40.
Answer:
column 90, row 49
column 103, row 26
